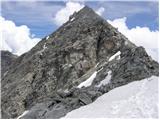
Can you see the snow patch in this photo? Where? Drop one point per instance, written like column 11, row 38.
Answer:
column 44, row 47
column 66, row 66
column 138, row 99
column 66, row 91
column 117, row 56
column 106, row 80
column 5, row 73
column 100, row 69
column 24, row 113
column 72, row 19
column 126, row 42
column 89, row 81
column 97, row 64
column 41, row 51
column 47, row 37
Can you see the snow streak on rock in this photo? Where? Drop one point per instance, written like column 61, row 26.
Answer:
column 72, row 19
column 106, row 80
column 117, row 56
column 89, row 81
column 47, row 37
column 25, row 112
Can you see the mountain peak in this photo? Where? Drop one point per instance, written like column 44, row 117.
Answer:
column 86, row 49
column 86, row 8
column 85, row 13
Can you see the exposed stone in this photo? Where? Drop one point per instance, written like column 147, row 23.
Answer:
column 7, row 58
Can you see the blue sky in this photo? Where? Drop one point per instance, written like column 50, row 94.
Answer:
column 38, row 16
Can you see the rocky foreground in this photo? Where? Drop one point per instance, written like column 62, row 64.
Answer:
column 84, row 59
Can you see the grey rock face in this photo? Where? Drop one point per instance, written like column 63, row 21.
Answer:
column 45, row 79
column 7, row 58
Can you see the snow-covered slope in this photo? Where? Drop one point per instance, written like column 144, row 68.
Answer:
column 136, row 100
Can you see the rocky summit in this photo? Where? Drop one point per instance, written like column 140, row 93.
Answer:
column 83, row 59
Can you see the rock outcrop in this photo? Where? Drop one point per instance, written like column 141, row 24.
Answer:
column 7, row 58
column 45, row 80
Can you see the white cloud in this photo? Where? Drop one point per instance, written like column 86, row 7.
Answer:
column 141, row 36
column 16, row 39
column 100, row 11
column 63, row 14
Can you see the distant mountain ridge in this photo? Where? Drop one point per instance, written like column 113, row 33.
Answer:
column 45, row 80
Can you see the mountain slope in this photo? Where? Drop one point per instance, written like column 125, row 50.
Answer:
column 45, row 80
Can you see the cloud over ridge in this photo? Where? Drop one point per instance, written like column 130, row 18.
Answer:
column 63, row 14
column 16, row 39
column 141, row 36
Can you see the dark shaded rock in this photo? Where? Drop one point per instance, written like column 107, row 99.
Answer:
column 84, row 98
column 7, row 58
